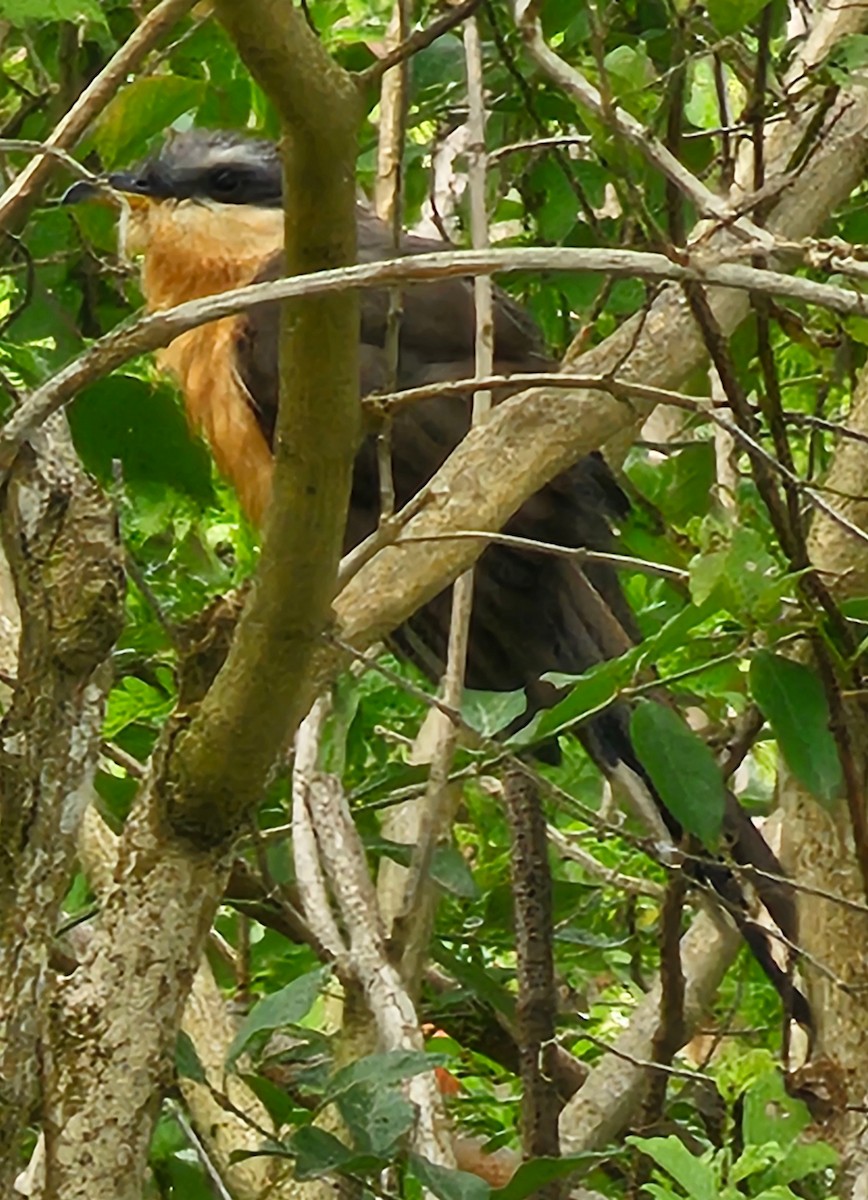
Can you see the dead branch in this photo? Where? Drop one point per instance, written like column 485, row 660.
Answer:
column 158, row 329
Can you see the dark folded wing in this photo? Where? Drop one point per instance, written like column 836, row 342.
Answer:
column 533, row 612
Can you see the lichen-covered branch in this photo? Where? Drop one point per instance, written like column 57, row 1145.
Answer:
column 115, row 1020
column 819, row 841
column 60, row 541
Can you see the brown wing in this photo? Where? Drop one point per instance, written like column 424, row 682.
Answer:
column 528, row 615
column 533, row 613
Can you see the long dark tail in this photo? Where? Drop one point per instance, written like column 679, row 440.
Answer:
column 607, row 740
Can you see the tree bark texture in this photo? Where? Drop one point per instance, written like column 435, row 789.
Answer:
column 819, row 849
column 114, row 1023
column 60, row 541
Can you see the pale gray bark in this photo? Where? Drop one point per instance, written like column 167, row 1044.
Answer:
column 59, row 537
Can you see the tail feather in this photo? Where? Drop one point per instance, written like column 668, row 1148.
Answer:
column 607, row 740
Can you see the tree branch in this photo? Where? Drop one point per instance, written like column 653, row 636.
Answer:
column 418, row 40
column 61, row 543
column 210, row 767
column 222, row 760
column 158, row 329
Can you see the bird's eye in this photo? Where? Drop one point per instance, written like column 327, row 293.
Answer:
column 225, row 182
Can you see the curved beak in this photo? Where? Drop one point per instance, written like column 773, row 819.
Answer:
column 113, row 190
column 86, row 191
column 130, row 184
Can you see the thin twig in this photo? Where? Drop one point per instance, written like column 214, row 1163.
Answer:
column 578, row 554
column 631, row 885
column 121, row 758
column 418, row 41
column 200, row 1150
column 576, row 85
column 158, row 329
column 599, row 825
column 29, row 146
column 417, row 915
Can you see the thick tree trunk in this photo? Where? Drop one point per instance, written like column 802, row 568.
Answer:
column 819, row 850
column 60, row 540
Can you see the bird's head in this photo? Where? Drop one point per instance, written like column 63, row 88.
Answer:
column 205, row 208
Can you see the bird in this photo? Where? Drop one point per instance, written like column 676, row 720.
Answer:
column 205, row 214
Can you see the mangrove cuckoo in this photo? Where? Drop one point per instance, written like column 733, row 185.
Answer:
column 205, row 215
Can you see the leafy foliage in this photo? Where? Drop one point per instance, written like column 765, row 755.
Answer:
column 716, row 628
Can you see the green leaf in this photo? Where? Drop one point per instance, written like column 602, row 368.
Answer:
column 533, row 1175
column 590, row 693
column 445, row 1183
column 476, row 979
column 141, row 424
column 318, row 1152
column 187, row 1061
column 489, row 712
column 144, row 108
column 673, row 1157
column 19, row 12
column 134, row 700
column 682, row 769
column 377, row 1117
column 702, row 108
column 681, row 486
column 390, row 1067
column 346, row 698
column 803, row 1159
column 449, row 869
column 741, row 576
column 848, row 57
column 631, row 70
column 285, row 1007
column 770, row 1114
column 794, row 703
column 730, row 16
column 575, row 935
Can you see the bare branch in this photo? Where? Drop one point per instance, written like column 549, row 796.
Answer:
column 344, row 863
column 308, row 869
column 414, row 924
column 577, row 554
column 27, row 146
column 60, row 541
column 418, row 41
column 158, row 329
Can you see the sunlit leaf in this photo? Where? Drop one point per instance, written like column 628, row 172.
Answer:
column 535, row 1174
column 134, row 700
column 19, row 12
column 688, row 1170
column 143, row 109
